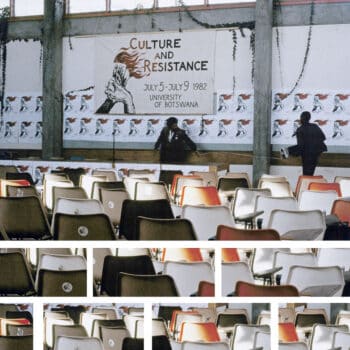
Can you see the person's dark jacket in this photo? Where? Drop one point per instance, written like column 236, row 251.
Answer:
column 174, row 151
column 311, row 139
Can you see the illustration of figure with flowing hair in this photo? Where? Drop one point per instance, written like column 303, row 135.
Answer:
column 127, row 65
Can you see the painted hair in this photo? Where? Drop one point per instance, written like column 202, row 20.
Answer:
column 132, row 60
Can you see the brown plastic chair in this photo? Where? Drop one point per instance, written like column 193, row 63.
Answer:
column 147, row 285
column 150, row 229
column 204, row 331
column 201, row 195
column 341, row 208
column 83, row 227
column 244, row 289
column 19, row 330
column 227, row 233
column 206, row 289
column 110, row 174
column 287, row 332
column 24, row 217
column 76, row 330
column 113, row 337
column 15, row 275
column 21, row 191
column 16, row 343
column 304, row 180
column 68, row 192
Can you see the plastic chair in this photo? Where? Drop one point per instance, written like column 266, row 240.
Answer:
column 150, row 174
column 341, row 208
column 188, row 275
column 4, row 323
column 228, row 184
column 161, row 342
column 229, row 318
column 33, row 255
column 164, row 229
column 130, row 184
column 232, row 273
column 147, row 285
column 151, row 191
column 210, row 178
column 113, row 266
column 16, row 343
column 178, row 317
column 133, row 344
column 48, row 327
column 167, row 176
column 262, row 340
column 21, row 191
column 99, row 255
column 227, row 233
column 112, row 201
column 293, row 346
column 229, row 255
column 113, row 337
column 206, row 219
column 205, row 289
column 87, row 182
column 5, row 183
column 244, row 289
column 334, row 256
column 131, row 209
column 83, row 227
column 304, row 181
column 317, row 281
column 19, row 314
column 74, row 330
column 199, row 196
column 287, row 332
column 341, row 340
column 205, row 332
column 166, row 311
column 68, row 192
column 287, row 259
column 267, row 204
column 88, row 319
column 344, row 185
column 307, row 318
column 278, row 188
column 244, row 335
column 110, row 174
column 286, row 315
column 322, row 336
column 179, row 181
column 326, row 186
column 78, row 206
column 131, row 323
column 48, row 191
column 191, row 345
column 313, row 200
column 20, row 176
column 244, row 204
column 298, row 225
column 181, row 254
column 73, row 343
column 72, row 311
column 110, row 313
column 97, row 186
column 24, row 217
column 264, row 318
column 16, row 275
column 19, row 330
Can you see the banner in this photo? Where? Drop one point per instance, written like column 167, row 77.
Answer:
column 163, row 73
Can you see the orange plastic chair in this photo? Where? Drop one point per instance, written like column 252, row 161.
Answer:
column 203, row 332
column 175, row 181
column 341, row 208
column 229, row 255
column 304, row 180
column 287, row 332
column 325, row 186
column 245, row 289
column 176, row 314
column 206, row 289
column 181, row 254
column 203, row 195
column 5, row 183
column 227, row 233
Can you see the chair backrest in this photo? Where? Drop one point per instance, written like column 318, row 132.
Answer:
column 205, row 332
column 150, row 174
column 287, row 332
column 179, row 316
column 344, row 186
column 262, row 259
column 262, row 340
column 73, row 343
column 230, row 255
column 110, row 174
column 19, row 330
column 78, row 206
column 131, row 209
column 181, row 254
column 130, row 184
column 188, row 275
column 191, row 345
column 87, row 182
column 199, row 196
column 112, row 201
column 97, row 186
column 110, row 312
column 159, row 327
column 164, row 229
column 113, row 337
column 114, row 265
column 278, row 188
column 24, row 217
column 167, row 176
column 68, row 192
column 133, row 344
column 49, row 323
column 264, row 318
column 210, row 178
column 267, row 204
column 20, row 314
column 322, row 336
column 5, row 183
column 16, row 343
column 317, row 281
column 341, row 339
column 147, row 285
column 229, row 318
column 61, row 262
column 286, row 314
column 304, row 180
column 228, row 233
column 83, row 227
column 20, row 282
column 206, row 219
column 62, row 283
column 308, row 317
column 161, row 342
column 287, row 259
column 227, row 184
column 181, row 181
column 21, row 191
column 302, row 225
column 206, row 289
column 244, row 289
column 325, row 186
column 48, row 191
column 334, row 256
column 151, row 191
column 341, row 208
column 239, row 175
column 20, row 176
column 244, row 335
column 293, row 346
column 232, row 273
column 73, row 330
column 321, row 200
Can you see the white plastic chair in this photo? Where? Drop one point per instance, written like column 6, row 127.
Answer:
column 49, row 322
column 264, row 318
column 159, row 327
column 345, row 187
column 262, row 340
column 204, row 346
column 267, row 204
column 151, row 191
column 205, row 219
column 99, row 255
column 244, row 336
column 334, row 256
column 292, row 346
column 341, row 339
column 288, row 259
column 131, row 323
column 321, row 200
column 187, row 275
column 322, row 336
column 78, row 206
column 278, row 188
column 112, row 202
column 317, row 281
column 232, row 273
column 298, row 225
column 130, row 184
column 87, row 181
column 87, row 320
column 74, row 343
column 48, row 191
column 110, row 174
